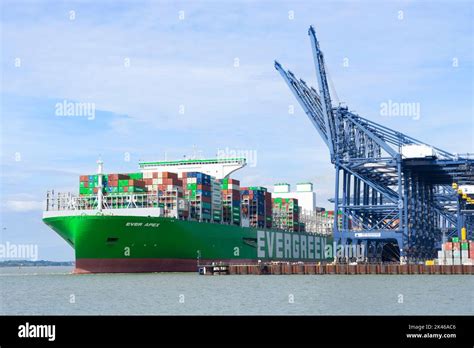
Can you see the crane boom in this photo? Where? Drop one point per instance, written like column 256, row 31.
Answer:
column 324, row 94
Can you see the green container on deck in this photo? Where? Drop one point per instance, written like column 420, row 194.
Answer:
column 191, row 186
column 120, row 189
column 81, row 184
column 464, row 246
column 257, row 188
column 455, row 239
column 136, row 176
column 122, row 183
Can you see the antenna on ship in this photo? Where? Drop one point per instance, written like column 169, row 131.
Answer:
column 100, row 167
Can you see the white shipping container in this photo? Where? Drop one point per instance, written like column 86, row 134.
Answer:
column 457, row 262
column 468, row 262
column 191, row 180
column 469, row 189
column 281, row 188
column 464, row 254
column 147, row 175
column 449, row 262
column 440, row 254
column 417, row 151
column 306, row 187
column 441, row 261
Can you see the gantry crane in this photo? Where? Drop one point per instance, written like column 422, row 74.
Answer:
column 388, row 199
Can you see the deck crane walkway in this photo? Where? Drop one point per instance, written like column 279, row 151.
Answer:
column 384, row 196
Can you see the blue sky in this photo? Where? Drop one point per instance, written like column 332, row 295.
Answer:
column 190, row 62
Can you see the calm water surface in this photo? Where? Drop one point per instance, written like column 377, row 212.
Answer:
column 50, row 290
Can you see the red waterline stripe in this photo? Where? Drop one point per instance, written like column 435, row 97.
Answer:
column 146, row 265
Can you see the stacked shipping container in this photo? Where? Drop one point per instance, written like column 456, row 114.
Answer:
column 198, row 192
column 456, row 252
column 123, row 183
column 286, row 214
column 230, row 191
column 88, row 184
column 253, row 205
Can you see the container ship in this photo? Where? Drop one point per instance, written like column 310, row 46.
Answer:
column 173, row 216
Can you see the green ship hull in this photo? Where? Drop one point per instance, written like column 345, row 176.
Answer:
column 110, row 243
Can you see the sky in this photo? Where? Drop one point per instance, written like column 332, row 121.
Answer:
column 172, row 79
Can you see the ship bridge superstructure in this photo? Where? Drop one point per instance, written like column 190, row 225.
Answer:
column 219, row 168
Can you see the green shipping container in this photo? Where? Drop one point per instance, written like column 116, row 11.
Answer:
column 122, row 183
column 191, row 186
column 257, row 188
column 464, row 246
column 136, row 176
column 455, row 239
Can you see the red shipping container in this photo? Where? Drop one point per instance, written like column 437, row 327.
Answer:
column 170, row 175
column 86, row 183
column 113, row 183
column 115, row 177
column 155, row 175
column 84, row 178
column 125, row 189
column 206, row 199
column 448, row 246
column 456, row 246
column 96, row 189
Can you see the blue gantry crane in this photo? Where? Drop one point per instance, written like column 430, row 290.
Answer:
column 397, row 195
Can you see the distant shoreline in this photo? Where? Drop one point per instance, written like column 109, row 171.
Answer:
column 27, row 263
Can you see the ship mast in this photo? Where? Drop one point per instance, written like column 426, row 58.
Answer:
column 100, row 167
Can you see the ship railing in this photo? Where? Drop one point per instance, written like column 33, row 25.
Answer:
column 67, row 201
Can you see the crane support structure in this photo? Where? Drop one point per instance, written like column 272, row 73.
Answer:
column 386, row 196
